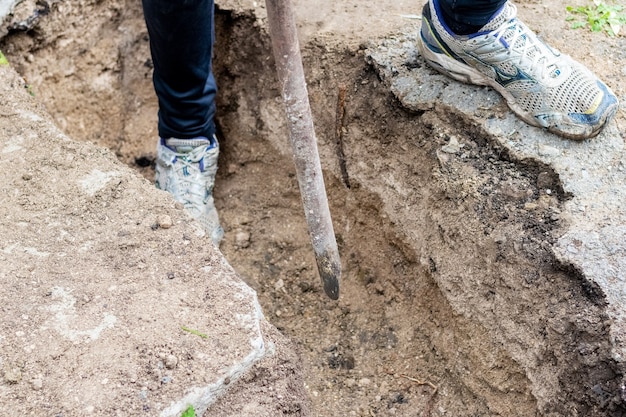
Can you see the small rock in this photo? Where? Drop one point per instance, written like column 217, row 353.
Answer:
column 363, row 382
column 232, row 168
column 164, row 221
column 305, row 286
column 544, row 180
column 499, row 238
column 12, row 375
column 545, row 150
column 36, row 383
column 572, row 249
column 453, row 146
column 531, row 206
column 513, row 192
column 349, row 382
column 242, row 240
column 171, row 361
column 243, row 219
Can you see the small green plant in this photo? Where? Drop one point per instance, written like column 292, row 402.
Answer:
column 3, row 59
column 189, row 412
column 192, row 331
column 599, row 17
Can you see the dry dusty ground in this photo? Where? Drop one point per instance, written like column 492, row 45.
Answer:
column 392, row 345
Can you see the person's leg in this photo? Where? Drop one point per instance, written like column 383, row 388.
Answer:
column 542, row 86
column 468, row 16
column 181, row 42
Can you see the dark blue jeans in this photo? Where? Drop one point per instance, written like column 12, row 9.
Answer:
column 181, row 42
column 468, row 16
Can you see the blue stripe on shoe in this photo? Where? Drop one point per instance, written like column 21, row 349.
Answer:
column 598, row 111
column 431, row 38
column 505, row 79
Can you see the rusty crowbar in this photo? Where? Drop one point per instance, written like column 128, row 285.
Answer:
column 303, row 142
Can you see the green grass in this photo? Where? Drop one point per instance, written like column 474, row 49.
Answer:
column 192, row 331
column 599, row 17
column 3, row 59
column 189, row 412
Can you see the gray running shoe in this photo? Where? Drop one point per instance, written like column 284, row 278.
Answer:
column 186, row 168
column 542, row 86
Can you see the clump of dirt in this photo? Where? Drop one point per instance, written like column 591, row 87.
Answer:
column 452, row 303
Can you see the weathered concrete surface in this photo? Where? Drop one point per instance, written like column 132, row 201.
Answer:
column 591, row 176
column 113, row 300
column 6, row 6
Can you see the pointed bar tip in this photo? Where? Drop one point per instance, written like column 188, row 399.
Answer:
column 329, row 269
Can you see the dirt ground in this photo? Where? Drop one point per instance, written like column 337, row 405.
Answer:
column 393, row 345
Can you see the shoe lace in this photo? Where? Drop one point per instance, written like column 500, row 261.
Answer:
column 195, row 188
column 531, row 52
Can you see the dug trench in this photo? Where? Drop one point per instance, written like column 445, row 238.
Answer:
column 452, row 302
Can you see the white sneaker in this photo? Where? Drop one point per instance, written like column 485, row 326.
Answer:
column 542, row 86
column 186, row 168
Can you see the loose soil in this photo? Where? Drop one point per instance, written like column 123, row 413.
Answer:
column 394, row 344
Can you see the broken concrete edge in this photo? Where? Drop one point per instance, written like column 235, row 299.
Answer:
column 201, row 398
column 592, row 172
column 70, row 193
column 20, row 15
column 6, row 7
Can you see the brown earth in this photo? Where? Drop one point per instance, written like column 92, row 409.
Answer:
column 393, row 344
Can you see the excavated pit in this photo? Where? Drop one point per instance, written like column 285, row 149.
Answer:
column 452, row 304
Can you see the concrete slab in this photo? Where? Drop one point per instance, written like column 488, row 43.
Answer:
column 591, row 172
column 114, row 302
column 6, row 6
